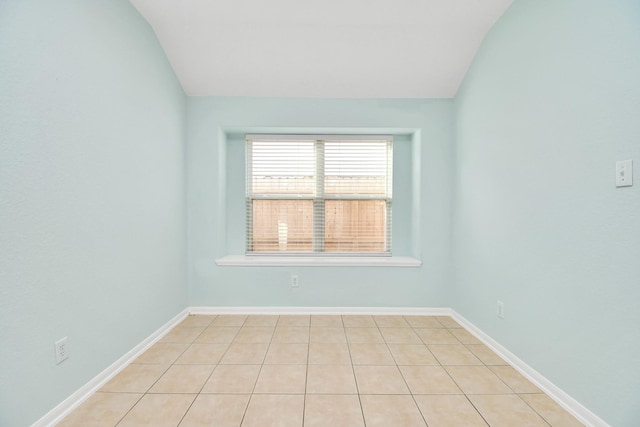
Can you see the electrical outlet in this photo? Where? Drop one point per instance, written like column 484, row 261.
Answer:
column 62, row 352
column 294, row 281
column 500, row 310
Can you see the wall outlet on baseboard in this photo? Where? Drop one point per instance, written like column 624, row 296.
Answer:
column 294, row 281
column 62, row 351
column 500, row 309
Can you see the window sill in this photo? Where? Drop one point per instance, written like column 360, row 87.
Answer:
column 323, row 261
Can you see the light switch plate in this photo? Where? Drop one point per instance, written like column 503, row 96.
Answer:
column 62, row 352
column 624, row 173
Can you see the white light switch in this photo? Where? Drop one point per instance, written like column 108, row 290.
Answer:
column 624, row 173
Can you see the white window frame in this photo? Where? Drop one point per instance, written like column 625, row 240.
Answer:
column 319, row 197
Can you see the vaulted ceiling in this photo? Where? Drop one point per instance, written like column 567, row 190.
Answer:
column 328, row 48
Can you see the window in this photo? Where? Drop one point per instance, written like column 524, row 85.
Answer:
column 319, row 194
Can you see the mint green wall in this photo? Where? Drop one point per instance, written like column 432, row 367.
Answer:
column 549, row 105
column 215, row 156
column 92, row 223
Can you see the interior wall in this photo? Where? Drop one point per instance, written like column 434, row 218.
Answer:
column 92, row 229
column 549, row 105
column 92, row 222
column 216, row 202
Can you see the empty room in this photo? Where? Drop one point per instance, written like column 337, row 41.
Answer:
column 338, row 213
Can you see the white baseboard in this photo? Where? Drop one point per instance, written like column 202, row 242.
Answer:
column 72, row 402
column 563, row 399
column 386, row 311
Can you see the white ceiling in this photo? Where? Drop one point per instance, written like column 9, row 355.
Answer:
column 321, row 48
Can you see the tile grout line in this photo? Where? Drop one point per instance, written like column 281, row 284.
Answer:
column 534, row 409
column 129, row 410
column 405, row 380
column 476, row 409
column 244, row 414
column 444, row 368
column 466, row 395
column 511, row 388
column 216, row 365
column 402, row 375
column 353, row 372
column 306, row 377
column 144, row 393
column 205, row 381
column 161, row 375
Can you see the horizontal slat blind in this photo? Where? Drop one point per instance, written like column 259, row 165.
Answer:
column 319, row 194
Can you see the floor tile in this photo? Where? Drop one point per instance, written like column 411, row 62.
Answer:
column 220, row 410
column 464, row 336
column 101, row 409
column 291, row 335
column 294, row 320
column 380, row 380
column 327, row 335
column 387, row 411
column 135, row 378
column 229, row 320
column 331, row 379
column 254, row 334
column 329, row 354
column 202, row 354
column 400, row 336
column 162, row 353
column 262, row 320
column 514, row 379
column 429, row 380
column 302, row 370
column 287, row 354
column 326, row 321
column 477, row 380
column 333, row 411
column 371, row 354
column 506, row 410
column 158, row 410
column 412, row 354
column 449, row 411
column 358, row 321
column 183, row 379
column 284, row 379
column 485, row 354
column 553, row 413
column 363, row 335
column 197, row 320
column 453, row 354
column 423, row 322
column 232, row 379
column 274, row 410
column 390, row 322
column 218, row 335
column 437, row 336
column 448, row 322
column 245, row 354
column 181, row 334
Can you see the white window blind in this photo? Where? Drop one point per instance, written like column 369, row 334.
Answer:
column 319, row 194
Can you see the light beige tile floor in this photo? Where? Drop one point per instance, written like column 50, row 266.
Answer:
column 310, row 371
